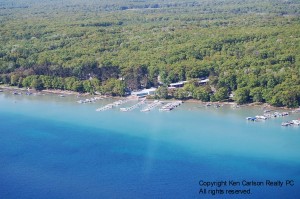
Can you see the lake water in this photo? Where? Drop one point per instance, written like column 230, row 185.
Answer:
column 53, row 147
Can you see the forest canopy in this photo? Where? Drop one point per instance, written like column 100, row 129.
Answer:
column 248, row 48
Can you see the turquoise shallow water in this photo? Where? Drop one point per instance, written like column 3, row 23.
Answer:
column 53, row 147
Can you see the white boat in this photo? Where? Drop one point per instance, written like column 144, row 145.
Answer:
column 285, row 114
column 268, row 115
column 296, row 122
column 285, row 124
column 124, row 109
column 251, row 118
column 261, row 117
column 80, row 101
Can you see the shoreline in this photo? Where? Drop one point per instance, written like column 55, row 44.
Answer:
column 66, row 92
column 51, row 91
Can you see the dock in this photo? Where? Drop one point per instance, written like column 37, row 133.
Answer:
column 151, row 106
column 267, row 115
column 170, row 106
column 120, row 102
column 106, row 107
column 276, row 115
column 291, row 123
column 112, row 105
column 133, row 106
column 90, row 100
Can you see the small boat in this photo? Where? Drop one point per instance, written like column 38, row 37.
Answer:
column 1, row 91
column 285, row 123
column 261, row 117
column 124, row 109
column 276, row 114
column 285, row 114
column 62, row 96
column 16, row 93
column 296, row 122
column 251, row 118
column 268, row 115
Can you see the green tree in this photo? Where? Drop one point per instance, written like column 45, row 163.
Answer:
column 181, row 94
column 221, row 94
column 256, row 94
column 77, row 86
column 113, row 87
column 87, row 86
column 241, row 95
column 14, row 79
column 162, row 92
column 201, row 93
column 37, row 84
column 57, row 83
column 47, row 81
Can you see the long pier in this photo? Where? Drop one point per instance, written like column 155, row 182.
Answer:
column 90, row 100
column 106, row 107
column 132, row 107
column 170, row 106
column 111, row 105
column 151, row 106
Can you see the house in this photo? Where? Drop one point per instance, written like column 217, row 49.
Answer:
column 177, row 84
column 145, row 92
column 204, row 81
column 181, row 83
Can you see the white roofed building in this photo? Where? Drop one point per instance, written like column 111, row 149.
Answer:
column 145, row 92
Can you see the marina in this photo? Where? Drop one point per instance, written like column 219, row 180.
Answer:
column 111, row 144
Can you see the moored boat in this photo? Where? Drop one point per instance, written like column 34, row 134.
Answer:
column 251, row 118
column 296, row 122
column 261, row 117
column 287, row 123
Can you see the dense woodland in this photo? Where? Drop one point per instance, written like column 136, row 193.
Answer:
column 246, row 47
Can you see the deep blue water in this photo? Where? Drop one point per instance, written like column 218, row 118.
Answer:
column 52, row 147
